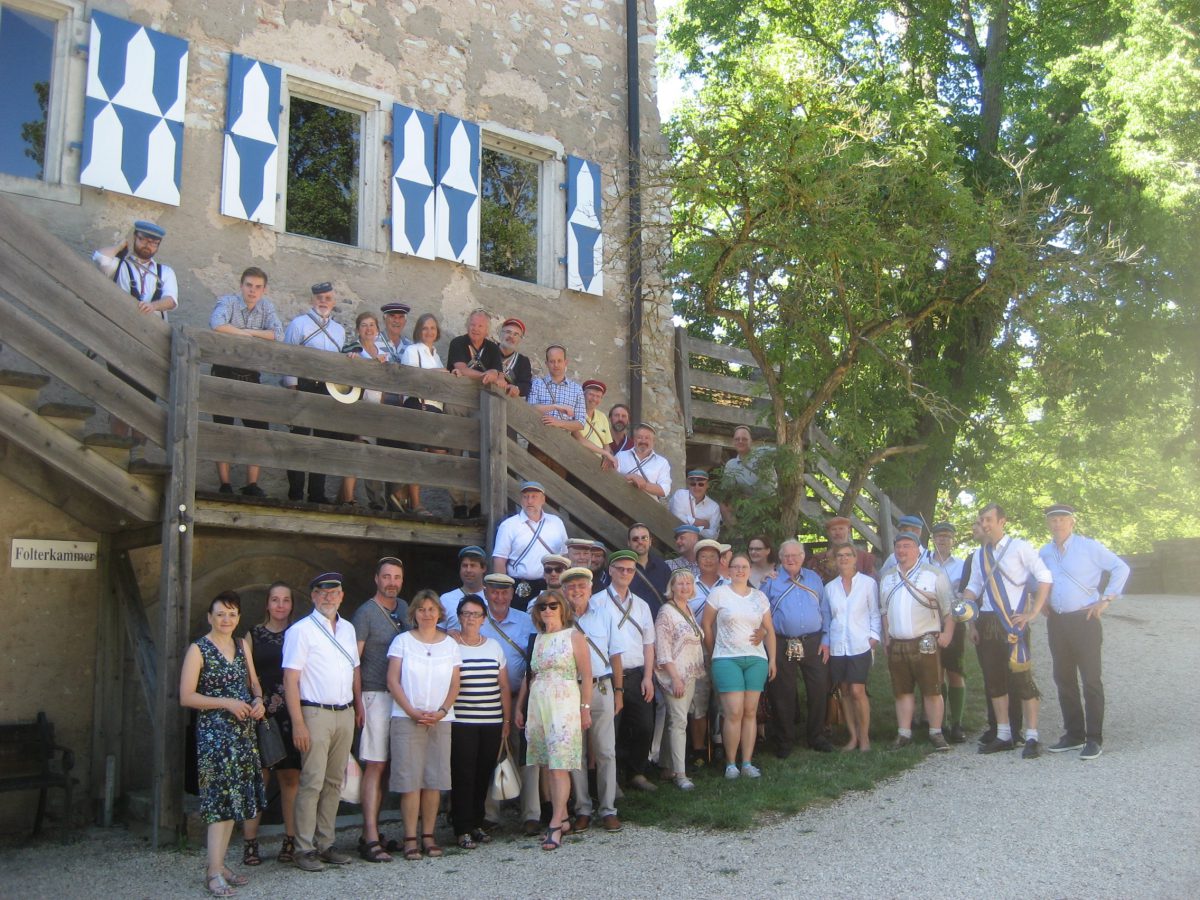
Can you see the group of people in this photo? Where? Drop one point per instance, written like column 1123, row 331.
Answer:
column 600, row 670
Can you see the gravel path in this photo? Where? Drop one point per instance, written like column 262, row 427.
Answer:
column 959, row 824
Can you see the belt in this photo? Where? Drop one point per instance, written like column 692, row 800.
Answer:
column 333, row 707
column 797, row 637
column 601, row 678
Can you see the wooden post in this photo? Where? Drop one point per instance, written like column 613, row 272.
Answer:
column 683, row 377
column 887, row 530
column 493, row 459
column 175, row 586
column 107, row 715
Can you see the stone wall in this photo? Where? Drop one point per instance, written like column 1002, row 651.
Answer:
column 550, row 69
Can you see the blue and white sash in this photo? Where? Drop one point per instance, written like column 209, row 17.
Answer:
column 993, row 584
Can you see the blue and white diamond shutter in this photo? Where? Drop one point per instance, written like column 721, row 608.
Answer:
column 457, row 219
column 133, row 110
column 251, row 164
column 585, row 240
column 413, row 183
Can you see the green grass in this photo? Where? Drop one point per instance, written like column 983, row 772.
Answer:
column 805, row 778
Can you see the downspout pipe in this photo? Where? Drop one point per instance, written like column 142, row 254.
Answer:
column 634, row 125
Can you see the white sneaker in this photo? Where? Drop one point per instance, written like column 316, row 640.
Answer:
column 684, row 783
column 749, row 771
column 731, row 771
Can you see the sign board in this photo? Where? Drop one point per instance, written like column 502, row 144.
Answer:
column 29, row 553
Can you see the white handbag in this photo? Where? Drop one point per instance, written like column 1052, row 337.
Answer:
column 506, row 779
column 352, row 783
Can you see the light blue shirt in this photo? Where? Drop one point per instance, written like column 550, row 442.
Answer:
column 231, row 309
column 795, row 610
column 517, row 626
column 599, row 624
column 1077, row 570
column 953, row 567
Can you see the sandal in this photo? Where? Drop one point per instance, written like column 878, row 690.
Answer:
column 466, row 842
column 422, row 511
column 413, row 853
column 287, row 850
column 549, row 842
column 430, row 846
column 481, row 837
column 373, row 851
column 218, row 886
column 250, row 855
column 235, row 880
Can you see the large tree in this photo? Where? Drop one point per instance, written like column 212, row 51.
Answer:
column 1094, row 101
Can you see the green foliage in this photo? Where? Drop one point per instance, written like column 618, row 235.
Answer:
column 33, row 132
column 323, row 166
column 508, row 236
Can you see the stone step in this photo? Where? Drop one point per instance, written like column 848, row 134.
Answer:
column 113, row 447
column 70, row 417
column 24, row 387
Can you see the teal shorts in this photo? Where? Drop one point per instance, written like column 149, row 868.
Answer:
column 739, row 673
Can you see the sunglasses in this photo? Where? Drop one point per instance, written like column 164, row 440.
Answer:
column 548, row 606
column 554, row 569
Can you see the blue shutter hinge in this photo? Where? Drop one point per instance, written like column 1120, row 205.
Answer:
column 562, row 185
column 81, row 49
column 562, row 260
column 75, row 145
column 387, row 138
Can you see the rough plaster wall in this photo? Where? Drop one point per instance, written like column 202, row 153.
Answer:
column 47, row 642
column 555, row 69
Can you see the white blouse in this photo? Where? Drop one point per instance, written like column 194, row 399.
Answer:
column 421, row 357
column 426, row 672
column 854, row 617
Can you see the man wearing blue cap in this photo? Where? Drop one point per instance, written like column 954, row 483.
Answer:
column 686, row 538
column 692, row 505
column 472, row 566
column 132, row 266
column 321, row 687
column 523, row 539
column 1079, row 565
column 913, row 525
column 317, row 329
column 943, row 557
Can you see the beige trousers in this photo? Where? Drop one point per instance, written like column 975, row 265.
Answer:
column 321, row 775
column 601, row 745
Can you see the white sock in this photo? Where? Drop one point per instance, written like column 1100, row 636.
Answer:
column 1031, row 734
column 935, row 731
column 1004, row 732
column 905, row 732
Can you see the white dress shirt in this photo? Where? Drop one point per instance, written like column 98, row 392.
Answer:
column 637, row 632
column 684, row 507
column 326, row 673
column 515, row 543
column 1017, row 562
column 654, row 468
column 908, row 617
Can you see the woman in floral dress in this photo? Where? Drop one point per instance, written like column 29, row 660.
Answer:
column 556, row 717
column 219, row 680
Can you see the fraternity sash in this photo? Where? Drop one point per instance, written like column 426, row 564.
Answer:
column 642, row 575
column 321, row 327
column 993, row 584
column 625, row 613
column 536, row 539
column 792, row 585
column 500, row 631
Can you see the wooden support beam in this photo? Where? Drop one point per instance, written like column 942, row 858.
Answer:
column 175, row 588
column 720, row 351
column 683, row 374
column 212, row 514
column 67, row 455
column 740, row 387
column 320, row 365
column 108, row 683
column 233, row 444
column 822, row 490
column 493, row 460
column 718, row 412
column 136, row 538
column 137, row 628
column 42, row 346
column 269, row 403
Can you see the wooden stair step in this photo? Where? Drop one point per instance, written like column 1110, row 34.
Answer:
column 113, row 447
column 143, row 467
column 70, row 417
column 24, row 387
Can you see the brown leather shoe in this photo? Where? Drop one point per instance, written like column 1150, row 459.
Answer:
column 611, row 823
column 532, row 828
column 581, row 824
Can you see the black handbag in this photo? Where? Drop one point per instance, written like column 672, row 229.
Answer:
column 271, row 749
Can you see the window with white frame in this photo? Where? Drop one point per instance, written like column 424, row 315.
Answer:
column 330, row 162
column 518, row 192
column 36, row 37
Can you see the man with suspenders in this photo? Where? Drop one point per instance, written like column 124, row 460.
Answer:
column 132, row 266
column 692, row 505
column 523, row 539
column 642, row 467
column 317, row 329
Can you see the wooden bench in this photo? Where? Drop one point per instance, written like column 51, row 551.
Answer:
column 30, row 760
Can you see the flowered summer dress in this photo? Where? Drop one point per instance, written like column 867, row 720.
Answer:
column 552, row 727
column 231, row 785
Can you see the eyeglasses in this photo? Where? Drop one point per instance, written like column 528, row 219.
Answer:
column 548, row 606
column 149, row 238
column 624, row 570
column 558, row 569
column 470, row 615
column 696, row 481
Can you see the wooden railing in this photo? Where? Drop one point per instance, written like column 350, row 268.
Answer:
column 735, row 395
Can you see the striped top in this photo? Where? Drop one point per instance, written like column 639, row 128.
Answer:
column 478, row 701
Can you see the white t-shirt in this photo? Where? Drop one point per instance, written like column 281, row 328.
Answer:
column 426, row 672
column 737, row 619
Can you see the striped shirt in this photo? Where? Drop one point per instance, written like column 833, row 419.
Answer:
column 478, row 701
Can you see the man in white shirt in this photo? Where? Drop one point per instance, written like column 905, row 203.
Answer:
column 914, row 600
column 693, row 506
column 472, row 566
column 318, row 330
column 523, row 539
column 321, row 687
column 642, row 467
column 596, row 622
column 635, row 731
column 1000, row 575
column 1079, row 566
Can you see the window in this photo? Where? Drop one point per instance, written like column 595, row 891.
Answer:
column 518, row 191
column 26, row 65
column 40, row 113
column 323, row 171
column 508, row 229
